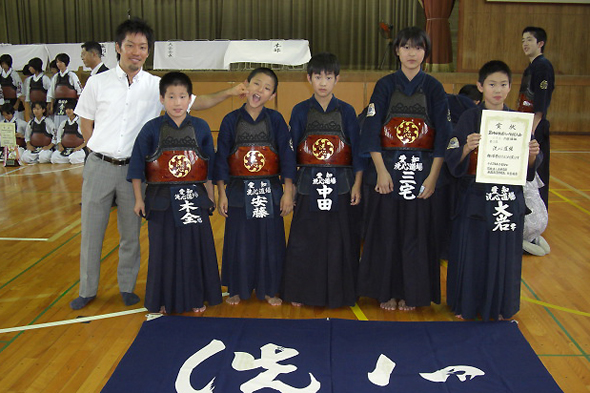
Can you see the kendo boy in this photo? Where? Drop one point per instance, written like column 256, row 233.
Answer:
column 323, row 248
column 538, row 82
column 485, row 257
column 254, row 153
column 173, row 153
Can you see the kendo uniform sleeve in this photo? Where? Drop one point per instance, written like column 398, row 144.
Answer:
column 284, row 145
column 468, row 124
column 144, row 146
column 439, row 114
column 352, row 131
column 376, row 112
column 205, row 140
column 225, row 141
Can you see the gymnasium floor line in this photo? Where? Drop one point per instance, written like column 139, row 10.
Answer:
column 569, row 187
column 53, row 303
column 40, row 260
column 10, row 173
column 569, row 336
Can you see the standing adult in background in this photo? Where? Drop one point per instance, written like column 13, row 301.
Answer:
column 538, row 82
column 91, row 57
column 113, row 108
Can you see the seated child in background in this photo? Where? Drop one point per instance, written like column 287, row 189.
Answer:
column 254, row 153
column 485, row 259
column 321, row 263
column 69, row 140
column 174, row 154
column 39, row 136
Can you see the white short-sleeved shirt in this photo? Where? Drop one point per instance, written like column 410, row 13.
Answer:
column 119, row 110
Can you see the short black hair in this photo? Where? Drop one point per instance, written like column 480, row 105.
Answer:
column 26, row 71
column 70, row 104
column 539, row 33
column 92, row 46
column 37, row 64
column 175, row 79
column 6, row 58
column 416, row 37
column 472, row 92
column 324, row 61
column 265, row 71
column 53, row 64
column 134, row 26
column 7, row 108
column 42, row 104
column 494, row 66
column 63, row 57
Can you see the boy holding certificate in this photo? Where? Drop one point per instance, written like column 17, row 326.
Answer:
column 485, row 257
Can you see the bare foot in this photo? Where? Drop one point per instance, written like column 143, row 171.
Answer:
column 389, row 305
column 233, row 300
column 295, row 304
column 162, row 310
column 200, row 310
column 401, row 305
column 273, row 301
column 459, row 316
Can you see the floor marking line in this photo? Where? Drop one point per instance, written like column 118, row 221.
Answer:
column 569, row 336
column 569, row 187
column 360, row 315
column 39, row 261
column 8, row 174
column 73, row 321
column 560, row 308
column 65, row 230
column 569, row 201
column 24, row 239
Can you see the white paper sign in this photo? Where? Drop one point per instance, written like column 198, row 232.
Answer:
column 7, row 134
column 504, row 147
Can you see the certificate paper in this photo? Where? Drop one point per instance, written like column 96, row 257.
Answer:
column 7, row 134
column 504, row 147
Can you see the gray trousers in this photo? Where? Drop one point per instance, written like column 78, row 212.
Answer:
column 102, row 183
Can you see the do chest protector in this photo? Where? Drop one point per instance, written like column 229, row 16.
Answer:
column 254, row 154
column 324, row 143
column 407, row 126
column 39, row 135
column 178, row 158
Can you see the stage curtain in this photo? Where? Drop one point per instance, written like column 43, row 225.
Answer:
column 437, row 26
column 349, row 28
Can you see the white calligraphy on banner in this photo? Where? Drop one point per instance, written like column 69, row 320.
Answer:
column 270, row 356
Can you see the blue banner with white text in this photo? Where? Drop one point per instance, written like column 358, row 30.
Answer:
column 226, row 355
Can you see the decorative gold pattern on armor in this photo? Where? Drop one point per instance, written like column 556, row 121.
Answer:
column 179, row 166
column 323, row 149
column 544, row 85
column 254, row 161
column 407, row 131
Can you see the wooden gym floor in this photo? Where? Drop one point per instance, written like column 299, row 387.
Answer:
column 39, row 272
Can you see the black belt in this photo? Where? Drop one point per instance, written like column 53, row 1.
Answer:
column 111, row 160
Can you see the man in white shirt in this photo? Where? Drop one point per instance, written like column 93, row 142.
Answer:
column 91, row 57
column 113, row 108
